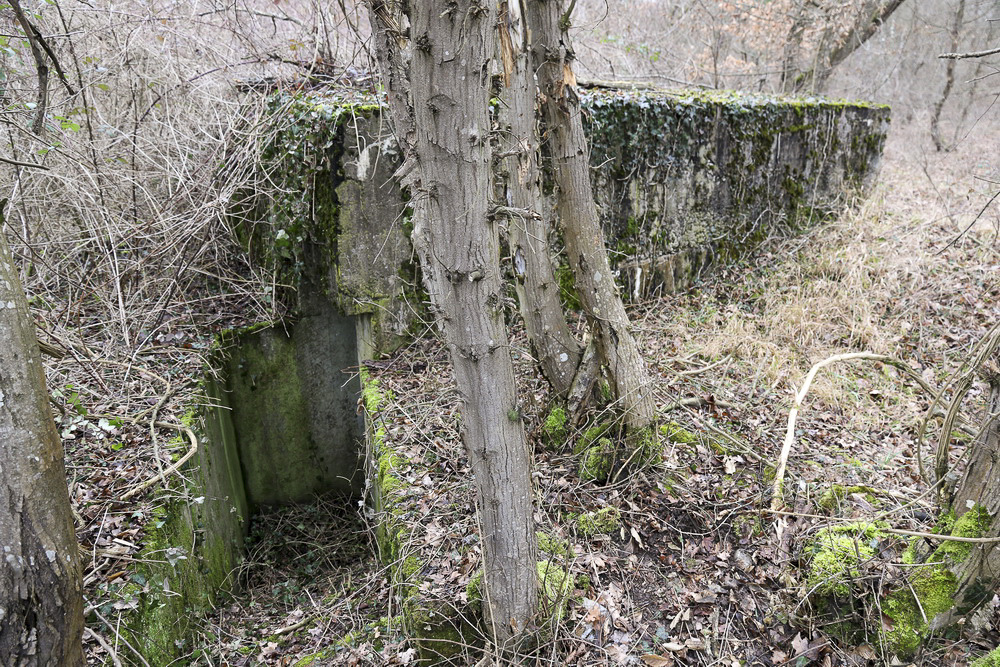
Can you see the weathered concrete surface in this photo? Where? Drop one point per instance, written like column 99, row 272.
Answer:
column 293, row 395
column 684, row 180
column 194, row 541
column 327, row 218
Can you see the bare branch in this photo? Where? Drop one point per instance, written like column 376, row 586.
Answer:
column 16, row 163
column 972, row 54
column 41, row 67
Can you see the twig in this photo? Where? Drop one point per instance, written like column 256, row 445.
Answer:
column 106, row 622
column 776, row 498
column 295, row 626
column 17, row 163
column 106, row 646
column 134, row 491
column 697, row 402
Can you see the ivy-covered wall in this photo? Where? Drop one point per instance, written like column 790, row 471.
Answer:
column 687, row 179
column 683, row 180
column 324, row 214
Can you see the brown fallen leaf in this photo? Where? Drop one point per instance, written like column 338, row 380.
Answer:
column 695, row 644
column 654, row 660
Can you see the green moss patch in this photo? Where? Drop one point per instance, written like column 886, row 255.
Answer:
column 837, row 557
column 553, row 546
column 606, row 520
column 556, row 585
column 674, row 432
column 991, row 659
column 933, row 586
column 833, row 498
column 555, row 429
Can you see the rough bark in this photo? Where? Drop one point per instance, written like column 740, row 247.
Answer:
column 867, row 22
column 41, row 598
column 978, row 574
column 552, row 59
column 557, row 351
column 457, row 241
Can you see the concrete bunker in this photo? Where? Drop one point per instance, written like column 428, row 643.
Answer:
column 281, row 421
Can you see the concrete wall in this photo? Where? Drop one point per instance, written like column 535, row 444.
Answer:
column 682, row 180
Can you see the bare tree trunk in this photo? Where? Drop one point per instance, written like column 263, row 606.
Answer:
column 867, row 22
column 949, row 78
column 41, row 594
column 976, row 568
column 552, row 58
column 457, row 241
column 558, row 352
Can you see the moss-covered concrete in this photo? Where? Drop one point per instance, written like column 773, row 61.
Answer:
column 687, row 179
column 193, row 542
column 683, row 180
column 440, row 630
column 293, row 390
column 326, row 217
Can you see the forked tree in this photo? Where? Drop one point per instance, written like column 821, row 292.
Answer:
column 438, row 63
column 552, row 57
column 41, row 593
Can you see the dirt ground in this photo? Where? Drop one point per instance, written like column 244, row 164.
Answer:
column 698, row 572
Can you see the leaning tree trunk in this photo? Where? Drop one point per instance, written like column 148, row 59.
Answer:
column 41, row 594
column 866, row 23
column 977, row 569
column 552, row 58
column 791, row 52
column 457, row 241
column 558, row 353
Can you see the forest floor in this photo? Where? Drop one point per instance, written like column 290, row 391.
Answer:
column 698, row 572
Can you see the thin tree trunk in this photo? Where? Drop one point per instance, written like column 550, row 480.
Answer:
column 949, row 79
column 792, row 50
column 552, row 58
column 458, row 245
column 558, row 352
column 41, row 596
